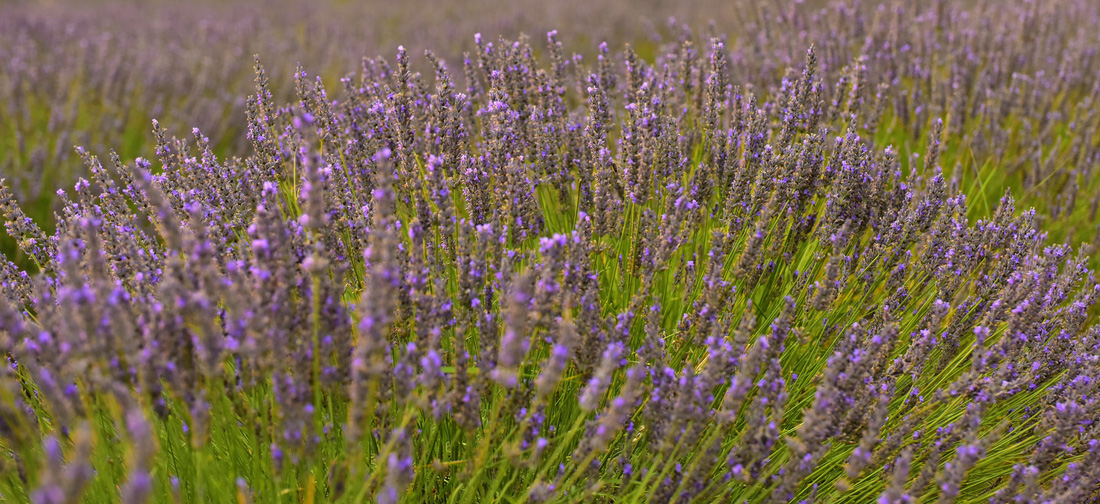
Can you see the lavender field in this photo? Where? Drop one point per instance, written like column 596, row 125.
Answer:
column 583, row 251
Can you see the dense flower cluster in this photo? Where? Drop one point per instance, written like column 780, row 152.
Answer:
column 1013, row 79
column 640, row 279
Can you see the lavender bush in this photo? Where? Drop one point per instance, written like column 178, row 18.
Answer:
column 630, row 277
column 1013, row 80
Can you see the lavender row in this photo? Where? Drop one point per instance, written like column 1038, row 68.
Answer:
column 555, row 281
column 1013, row 81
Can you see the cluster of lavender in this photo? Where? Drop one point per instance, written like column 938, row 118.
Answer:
column 1013, row 80
column 558, row 281
column 94, row 73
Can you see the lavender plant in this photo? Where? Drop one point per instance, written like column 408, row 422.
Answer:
column 554, row 281
column 1012, row 80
